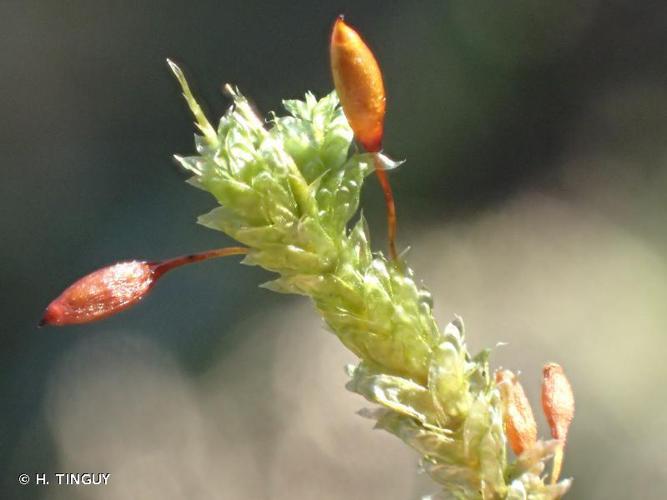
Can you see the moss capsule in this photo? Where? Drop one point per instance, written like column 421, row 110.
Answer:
column 558, row 406
column 359, row 85
column 101, row 293
column 518, row 418
column 557, row 400
column 114, row 288
column 360, row 88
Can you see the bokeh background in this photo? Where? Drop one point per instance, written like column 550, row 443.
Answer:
column 533, row 199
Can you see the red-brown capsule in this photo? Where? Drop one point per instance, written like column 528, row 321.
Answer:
column 558, row 406
column 518, row 418
column 557, row 400
column 359, row 85
column 100, row 294
column 115, row 288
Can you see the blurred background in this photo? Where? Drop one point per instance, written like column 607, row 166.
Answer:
column 533, row 199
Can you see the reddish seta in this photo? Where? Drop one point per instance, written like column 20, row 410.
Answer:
column 114, row 288
column 360, row 88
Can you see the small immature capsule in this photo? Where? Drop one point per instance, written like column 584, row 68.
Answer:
column 358, row 81
column 100, row 294
column 518, row 418
column 558, row 406
column 557, row 400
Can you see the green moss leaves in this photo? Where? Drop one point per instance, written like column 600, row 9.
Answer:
column 289, row 189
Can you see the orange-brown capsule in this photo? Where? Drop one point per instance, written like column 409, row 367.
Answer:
column 518, row 418
column 115, row 288
column 358, row 81
column 359, row 85
column 557, row 400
